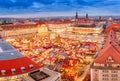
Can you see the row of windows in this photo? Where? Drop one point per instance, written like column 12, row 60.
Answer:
column 105, row 71
column 114, row 79
column 105, row 75
column 13, row 70
column 113, row 75
column 107, row 65
column 112, row 71
column 107, row 79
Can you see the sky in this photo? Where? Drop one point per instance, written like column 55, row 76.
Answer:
column 48, row 8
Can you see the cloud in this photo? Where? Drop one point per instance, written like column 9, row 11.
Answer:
column 61, row 6
column 37, row 5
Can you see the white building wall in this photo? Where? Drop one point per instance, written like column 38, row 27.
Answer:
column 105, row 75
column 25, row 30
column 94, row 74
column 57, row 27
column 42, row 28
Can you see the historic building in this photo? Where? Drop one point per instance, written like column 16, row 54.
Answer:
column 116, row 28
column 106, row 65
column 23, row 29
column 85, row 26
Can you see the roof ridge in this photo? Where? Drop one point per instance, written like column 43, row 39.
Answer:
column 106, row 49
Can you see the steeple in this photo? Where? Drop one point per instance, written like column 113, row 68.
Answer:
column 86, row 15
column 76, row 18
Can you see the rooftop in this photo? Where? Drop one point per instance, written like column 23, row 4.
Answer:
column 12, row 62
column 115, row 27
column 17, row 65
column 4, row 46
column 7, row 51
column 10, row 55
column 44, row 75
column 10, row 26
column 110, row 53
column 104, row 55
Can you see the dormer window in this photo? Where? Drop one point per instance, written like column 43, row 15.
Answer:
column 110, row 41
column 31, row 66
column 3, row 72
column 110, row 59
column 118, row 65
column 22, row 69
column 13, row 70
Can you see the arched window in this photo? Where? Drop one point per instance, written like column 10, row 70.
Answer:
column 109, row 59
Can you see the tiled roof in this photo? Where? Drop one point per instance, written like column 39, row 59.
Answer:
column 18, row 26
column 108, row 51
column 12, row 62
column 114, row 27
column 111, row 38
column 111, row 49
column 18, row 64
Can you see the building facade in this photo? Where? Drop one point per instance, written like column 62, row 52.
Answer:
column 22, row 29
column 106, row 65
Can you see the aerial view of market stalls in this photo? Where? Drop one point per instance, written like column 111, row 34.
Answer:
column 67, row 47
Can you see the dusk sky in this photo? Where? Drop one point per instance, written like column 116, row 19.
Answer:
column 47, row 8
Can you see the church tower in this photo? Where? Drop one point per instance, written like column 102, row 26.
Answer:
column 76, row 18
column 87, row 16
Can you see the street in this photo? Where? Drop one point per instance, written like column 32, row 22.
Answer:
column 86, row 70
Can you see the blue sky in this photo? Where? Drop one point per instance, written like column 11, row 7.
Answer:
column 40, row 8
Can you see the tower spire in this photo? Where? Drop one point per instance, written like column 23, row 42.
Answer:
column 86, row 15
column 76, row 18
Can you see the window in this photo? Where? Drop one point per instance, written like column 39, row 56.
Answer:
column 105, row 71
column 95, row 70
column 105, row 65
column 109, row 59
column 105, row 75
column 31, row 66
column 114, row 79
column 114, row 71
column 118, row 65
column 105, row 79
column 13, row 70
column 3, row 72
column 114, row 75
column 22, row 69
column 110, row 65
column 95, row 78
